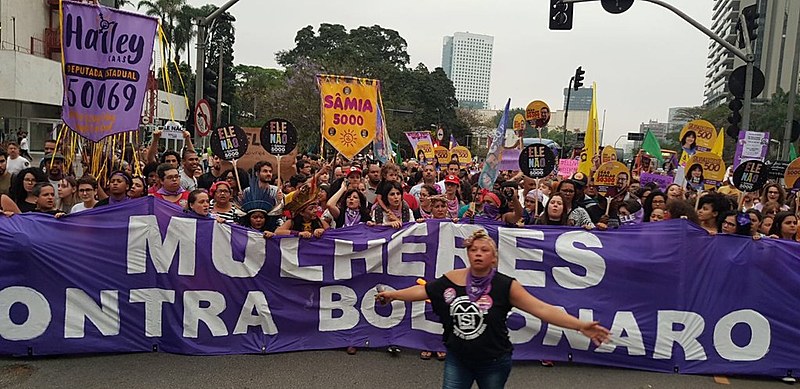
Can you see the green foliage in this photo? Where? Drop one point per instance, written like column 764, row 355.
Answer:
column 221, row 38
column 254, row 86
column 373, row 52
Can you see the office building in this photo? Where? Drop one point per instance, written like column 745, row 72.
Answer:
column 467, row 61
column 580, row 100
column 658, row 129
column 774, row 47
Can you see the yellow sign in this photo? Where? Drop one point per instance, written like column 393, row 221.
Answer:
column 537, row 113
column 711, row 170
column 697, row 136
column 519, row 122
column 425, row 149
column 349, row 112
column 612, row 178
column 442, row 154
column 462, row 154
column 609, row 154
column 791, row 175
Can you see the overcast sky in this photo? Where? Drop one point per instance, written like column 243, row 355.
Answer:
column 644, row 60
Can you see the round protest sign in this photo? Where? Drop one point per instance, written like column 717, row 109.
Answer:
column 612, row 178
column 519, row 122
column 750, row 176
column 462, row 154
column 609, row 154
column 442, row 154
column 790, row 177
column 278, row 137
column 697, row 136
column 707, row 169
column 537, row 113
column 229, row 142
column 537, row 160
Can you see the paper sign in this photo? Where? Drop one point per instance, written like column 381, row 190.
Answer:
column 751, row 145
column 567, row 167
column 697, row 136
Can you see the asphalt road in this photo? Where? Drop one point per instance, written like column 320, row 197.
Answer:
column 317, row 369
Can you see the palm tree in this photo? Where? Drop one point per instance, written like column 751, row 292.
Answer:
column 167, row 11
column 184, row 32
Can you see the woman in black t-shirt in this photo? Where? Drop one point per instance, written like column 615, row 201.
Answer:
column 473, row 305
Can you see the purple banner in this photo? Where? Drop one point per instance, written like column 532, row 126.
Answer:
column 751, row 145
column 107, row 56
column 662, row 180
column 143, row 275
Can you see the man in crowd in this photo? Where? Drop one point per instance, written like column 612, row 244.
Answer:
column 49, row 149
column 428, row 178
column 15, row 163
column 303, row 167
column 171, row 189
column 45, row 198
column 206, row 180
column 190, row 163
column 373, row 179
column 5, row 176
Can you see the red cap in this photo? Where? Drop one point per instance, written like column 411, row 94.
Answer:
column 353, row 170
column 451, row 179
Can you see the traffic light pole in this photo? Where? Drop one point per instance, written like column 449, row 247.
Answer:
column 202, row 30
column 566, row 113
column 747, row 57
column 787, row 132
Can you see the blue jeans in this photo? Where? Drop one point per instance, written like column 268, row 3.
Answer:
column 489, row 374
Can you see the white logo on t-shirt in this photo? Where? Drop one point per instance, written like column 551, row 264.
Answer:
column 467, row 317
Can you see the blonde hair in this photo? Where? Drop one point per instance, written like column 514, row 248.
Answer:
column 480, row 234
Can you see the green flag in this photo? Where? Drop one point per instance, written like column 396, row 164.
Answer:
column 651, row 146
column 792, row 152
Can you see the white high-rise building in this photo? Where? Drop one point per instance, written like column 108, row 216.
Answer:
column 774, row 47
column 467, row 61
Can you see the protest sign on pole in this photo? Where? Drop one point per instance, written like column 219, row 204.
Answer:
column 567, row 167
column 442, row 155
column 349, row 115
column 751, row 145
column 662, row 180
column 462, row 154
column 711, row 167
column 750, row 176
column 537, row 160
column 611, row 178
column 791, row 177
column 106, row 61
column 279, row 138
column 696, row 136
column 608, row 154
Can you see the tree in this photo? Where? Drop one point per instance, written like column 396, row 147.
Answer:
column 221, row 38
column 167, row 11
column 184, row 32
column 254, row 85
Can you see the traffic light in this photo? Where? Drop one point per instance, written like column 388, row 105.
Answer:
column 210, row 86
column 751, row 15
column 735, row 118
column 578, row 78
column 560, row 15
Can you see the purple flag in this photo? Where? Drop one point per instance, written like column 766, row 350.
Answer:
column 107, row 56
column 143, row 275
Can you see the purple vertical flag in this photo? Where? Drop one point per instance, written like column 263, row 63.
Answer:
column 107, row 56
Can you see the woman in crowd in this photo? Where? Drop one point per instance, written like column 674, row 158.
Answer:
column 119, row 183
column 351, row 211
column 675, row 191
column 749, row 201
column 425, row 211
column 766, row 224
column 770, row 208
column 755, row 222
column 784, row 227
column 229, row 176
column 630, row 212
column 533, row 207
column 487, row 296
column 198, row 204
column 67, row 194
column 303, row 206
column 22, row 188
column 728, row 223
column 555, row 212
column 87, row 190
column 221, row 204
column 453, row 195
column 578, row 216
column 680, row 209
column 657, row 215
column 772, row 192
column 397, row 211
column 138, row 185
column 711, row 208
column 656, row 200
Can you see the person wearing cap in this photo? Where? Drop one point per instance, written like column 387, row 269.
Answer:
column 531, row 209
column 118, row 185
column 353, row 177
column 452, row 195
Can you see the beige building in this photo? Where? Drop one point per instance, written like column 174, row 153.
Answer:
column 774, row 47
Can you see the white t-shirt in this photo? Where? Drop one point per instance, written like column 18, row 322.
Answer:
column 23, row 144
column 78, row 207
column 16, row 165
